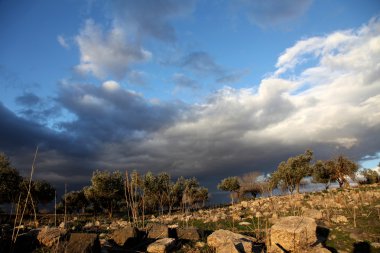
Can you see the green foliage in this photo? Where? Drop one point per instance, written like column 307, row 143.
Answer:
column 9, row 181
column 230, row 184
column 342, row 167
column 289, row 174
column 75, row 201
column 249, row 184
column 322, row 173
column 371, row 176
column 106, row 189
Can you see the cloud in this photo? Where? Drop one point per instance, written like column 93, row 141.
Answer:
column 107, row 53
column 28, row 99
column 182, row 81
column 232, row 77
column 137, row 77
column 201, row 63
column 63, row 42
column 331, row 106
column 41, row 110
column 272, row 12
column 150, row 17
column 110, row 113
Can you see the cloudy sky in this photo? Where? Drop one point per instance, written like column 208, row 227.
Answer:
column 201, row 88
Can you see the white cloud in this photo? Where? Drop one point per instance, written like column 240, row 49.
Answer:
column 62, row 41
column 107, row 53
column 111, row 85
column 335, row 103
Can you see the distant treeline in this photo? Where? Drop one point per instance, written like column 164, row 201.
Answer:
column 139, row 194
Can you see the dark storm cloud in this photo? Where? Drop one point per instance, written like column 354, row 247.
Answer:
column 151, row 17
column 106, row 115
column 273, row 12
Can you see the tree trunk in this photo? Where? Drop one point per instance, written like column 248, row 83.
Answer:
column 298, row 188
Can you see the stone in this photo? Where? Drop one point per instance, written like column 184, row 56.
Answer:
column 293, row 233
column 156, row 230
column 313, row 213
column 50, row 236
column 245, row 223
column 222, row 239
column 200, row 244
column 83, row 243
column 123, row 235
column 26, row 242
column 339, row 219
column 161, row 246
column 191, row 234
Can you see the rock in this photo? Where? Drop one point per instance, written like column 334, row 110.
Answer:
column 230, row 247
column 293, row 233
column 161, row 246
column 26, row 242
column 191, row 234
column 156, row 230
column 124, row 235
column 244, row 223
column 50, row 236
column 200, row 244
column 339, row 219
column 319, row 250
column 244, row 204
column 222, row 239
column 313, row 213
column 83, row 243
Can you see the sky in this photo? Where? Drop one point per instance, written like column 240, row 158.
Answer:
column 199, row 88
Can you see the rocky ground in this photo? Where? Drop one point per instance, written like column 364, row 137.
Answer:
column 338, row 220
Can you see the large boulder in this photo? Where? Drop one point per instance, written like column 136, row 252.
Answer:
column 50, row 236
column 227, row 241
column 161, row 246
column 156, row 231
column 293, row 233
column 124, row 235
column 83, row 243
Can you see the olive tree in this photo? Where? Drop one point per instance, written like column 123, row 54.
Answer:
column 289, row 174
column 230, row 184
column 370, row 176
column 9, row 181
column 341, row 168
column 249, row 184
column 106, row 189
column 322, row 173
column 75, row 201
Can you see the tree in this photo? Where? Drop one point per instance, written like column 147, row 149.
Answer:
column 230, row 184
column 201, row 196
column 290, row 173
column 163, row 186
column 342, row 167
column 75, row 201
column 106, row 189
column 322, row 173
column 249, row 184
column 191, row 186
column 371, row 176
column 9, row 181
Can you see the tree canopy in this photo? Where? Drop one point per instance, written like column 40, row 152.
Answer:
column 289, row 174
column 230, row 184
column 9, row 181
